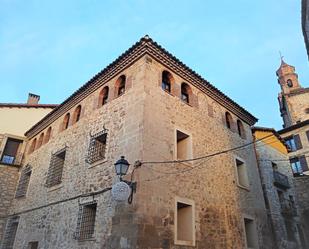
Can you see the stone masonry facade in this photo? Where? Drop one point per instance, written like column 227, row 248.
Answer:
column 143, row 124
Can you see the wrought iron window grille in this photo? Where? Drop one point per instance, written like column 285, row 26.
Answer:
column 55, row 170
column 23, row 182
column 97, row 147
column 86, row 221
column 10, row 233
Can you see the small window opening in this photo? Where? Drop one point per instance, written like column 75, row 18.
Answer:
column 184, row 150
column 274, row 166
column 40, row 141
column 121, row 85
column 296, row 166
column 167, row 79
column 97, row 147
column 54, row 175
column 10, row 233
column 77, row 113
column 228, row 120
column 86, row 221
column 251, row 236
column 186, row 93
column 32, row 146
column 47, row 136
column 242, row 174
column 289, row 83
column 240, row 129
column 66, row 121
column 185, row 233
column 103, row 97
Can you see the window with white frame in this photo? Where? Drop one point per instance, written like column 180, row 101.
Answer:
column 184, row 222
column 242, row 175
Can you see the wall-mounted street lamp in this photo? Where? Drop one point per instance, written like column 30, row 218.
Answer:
column 124, row 189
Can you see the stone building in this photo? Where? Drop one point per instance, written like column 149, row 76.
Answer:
column 278, row 188
column 305, row 22
column 150, row 107
column 294, row 108
column 16, row 119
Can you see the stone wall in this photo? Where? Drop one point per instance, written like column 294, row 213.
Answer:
column 8, row 179
column 298, row 105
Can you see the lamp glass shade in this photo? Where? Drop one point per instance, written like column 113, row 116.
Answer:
column 122, row 166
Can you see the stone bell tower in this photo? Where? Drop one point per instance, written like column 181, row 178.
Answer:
column 293, row 98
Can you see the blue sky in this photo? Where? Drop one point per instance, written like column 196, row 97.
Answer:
column 51, row 48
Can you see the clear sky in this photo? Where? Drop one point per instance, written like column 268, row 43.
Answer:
column 51, row 48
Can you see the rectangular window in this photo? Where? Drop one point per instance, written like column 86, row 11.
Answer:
column 10, row 233
column 86, row 221
column 291, row 143
column 184, row 222
column 307, row 133
column 97, row 147
column 251, row 236
column 184, row 146
column 33, row 245
column 54, row 175
column 9, row 155
column 296, row 166
column 242, row 175
column 23, row 182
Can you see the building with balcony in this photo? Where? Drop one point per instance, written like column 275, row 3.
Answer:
column 16, row 119
column 150, row 107
column 278, row 188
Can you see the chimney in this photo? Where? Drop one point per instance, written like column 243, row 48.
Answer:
column 33, row 99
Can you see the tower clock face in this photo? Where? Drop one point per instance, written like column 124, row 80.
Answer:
column 289, row 83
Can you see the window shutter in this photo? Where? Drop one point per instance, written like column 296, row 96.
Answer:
column 307, row 133
column 297, row 142
column 303, row 163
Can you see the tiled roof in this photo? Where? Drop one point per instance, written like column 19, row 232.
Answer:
column 18, row 105
column 144, row 46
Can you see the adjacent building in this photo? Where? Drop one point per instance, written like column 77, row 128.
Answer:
column 149, row 107
column 294, row 108
column 278, row 188
column 16, row 119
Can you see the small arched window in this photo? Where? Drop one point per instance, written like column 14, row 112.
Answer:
column 228, row 120
column 289, row 83
column 48, row 134
column 32, row 146
column 103, row 97
column 240, row 128
column 167, row 81
column 76, row 115
column 40, row 141
column 121, row 85
column 186, row 93
column 66, row 120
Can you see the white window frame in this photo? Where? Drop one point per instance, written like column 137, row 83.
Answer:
column 192, row 204
column 246, row 172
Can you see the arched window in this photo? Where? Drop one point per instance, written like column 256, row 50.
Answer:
column 228, row 120
column 186, row 93
column 32, row 146
column 47, row 136
column 65, row 123
column 121, row 85
column 240, row 128
column 40, row 141
column 76, row 115
column 103, row 97
column 167, row 81
column 307, row 110
column 289, row 83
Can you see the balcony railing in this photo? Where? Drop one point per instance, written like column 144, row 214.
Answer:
column 281, row 180
column 11, row 160
column 288, row 208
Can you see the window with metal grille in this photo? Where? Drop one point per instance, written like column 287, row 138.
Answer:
column 23, row 182
column 54, row 175
column 86, row 221
column 97, row 147
column 10, row 233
